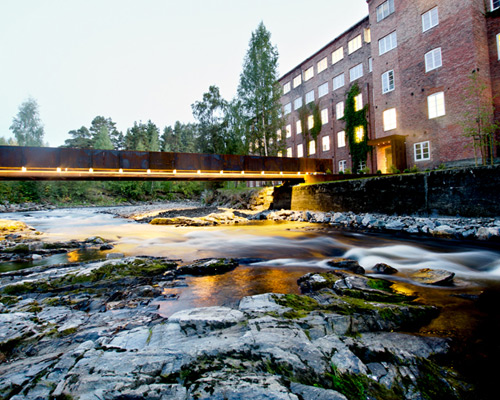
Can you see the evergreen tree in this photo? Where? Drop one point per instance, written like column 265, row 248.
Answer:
column 7, row 142
column 81, row 139
column 182, row 138
column 259, row 92
column 115, row 136
column 142, row 137
column 27, row 125
column 102, row 140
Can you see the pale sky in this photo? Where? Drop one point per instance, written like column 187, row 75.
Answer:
column 140, row 60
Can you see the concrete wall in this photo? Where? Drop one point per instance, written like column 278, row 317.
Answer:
column 470, row 192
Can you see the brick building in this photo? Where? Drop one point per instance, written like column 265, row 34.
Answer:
column 411, row 60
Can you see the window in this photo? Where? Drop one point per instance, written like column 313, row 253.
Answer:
column 435, row 103
column 354, row 44
column 358, row 102
column 341, row 139
column 388, row 81
column 308, row 74
column 385, row 9
column 288, row 108
column 297, row 103
column 325, row 143
column 361, row 166
column 297, row 81
column 387, row 43
column 338, row 81
column 324, row 116
column 322, row 65
column 339, row 109
column 280, row 153
column 300, row 151
column 433, row 59
column 286, row 88
column 298, row 127
column 310, row 122
column 312, row 147
column 422, row 151
column 370, row 64
column 288, row 130
column 498, row 44
column 430, row 19
column 289, row 152
column 359, row 133
column 389, row 117
column 368, row 35
column 278, row 134
column 495, row 4
column 342, row 165
column 356, row 72
column 337, row 55
column 310, row 97
column 323, row 89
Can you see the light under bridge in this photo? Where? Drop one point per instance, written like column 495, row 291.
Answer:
column 48, row 163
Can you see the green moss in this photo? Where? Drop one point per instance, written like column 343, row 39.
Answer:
column 67, row 332
column 18, row 249
column 24, row 287
column 301, row 305
column 380, row 284
column 9, row 300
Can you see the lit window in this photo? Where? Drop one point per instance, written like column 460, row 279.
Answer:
column 338, row 81
column 339, row 109
column 362, row 165
column 308, row 74
column 341, row 139
column 337, row 55
column 297, row 103
column 310, row 122
column 280, row 153
column 389, row 117
column 359, row 133
column 422, row 151
column 288, row 108
column 433, row 59
column 288, row 130
column 495, row 4
column 498, row 44
column 368, row 35
column 286, row 88
column 387, row 43
column 289, row 152
column 356, row 72
column 388, row 81
column 298, row 127
column 297, row 81
column 354, row 44
column 300, row 151
column 435, row 103
column 312, row 147
column 385, row 9
column 430, row 19
column 278, row 134
column 310, row 97
column 323, row 90
column 358, row 102
column 342, row 165
column 325, row 142
column 324, row 116
column 322, row 65
column 370, row 64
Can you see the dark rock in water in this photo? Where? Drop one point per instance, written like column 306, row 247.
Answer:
column 106, row 247
column 208, row 266
column 385, row 269
column 429, row 276
column 345, row 263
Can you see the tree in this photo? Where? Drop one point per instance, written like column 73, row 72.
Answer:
column 27, row 125
column 259, row 92
column 115, row 136
column 7, row 142
column 478, row 123
column 181, row 138
column 81, row 139
column 102, row 140
column 142, row 137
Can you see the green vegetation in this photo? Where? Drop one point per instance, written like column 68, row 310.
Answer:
column 27, row 125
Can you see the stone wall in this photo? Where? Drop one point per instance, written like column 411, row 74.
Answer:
column 468, row 192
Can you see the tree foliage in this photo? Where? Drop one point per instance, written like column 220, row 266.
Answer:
column 181, row 138
column 100, row 122
column 80, row 139
column 143, row 137
column 310, row 133
column 27, row 125
column 102, row 140
column 259, row 92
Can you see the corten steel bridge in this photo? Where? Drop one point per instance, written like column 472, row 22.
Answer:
column 48, row 163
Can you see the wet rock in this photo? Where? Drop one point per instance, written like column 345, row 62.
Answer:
column 487, row 233
column 385, row 269
column 345, row 263
column 114, row 256
column 429, row 276
column 204, row 319
column 443, row 231
column 208, row 266
column 106, row 247
column 395, row 226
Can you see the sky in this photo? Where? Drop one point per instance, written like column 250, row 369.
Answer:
column 140, row 60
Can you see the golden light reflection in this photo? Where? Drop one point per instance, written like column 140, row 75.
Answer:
column 403, row 289
column 73, row 256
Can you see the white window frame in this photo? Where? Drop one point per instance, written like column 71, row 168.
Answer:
column 356, row 72
column 420, row 150
column 300, row 150
column 341, row 139
column 309, row 73
column 389, row 118
column 287, row 108
column 323, row 90
column 338, row 81
column 278, row 134
column 325, row 143
column 498, row 45
column 358, row 102
column 387, row 43
column 289, row 152
column 339, row 110
column 337, row 55
column 322, row 65
column 342, row 165
column 388, row 81
column 354, row 44
column 297, row 103
column 493, row 7
column 433, row 59
column 310, row 122
column 297, row 81
column 370, row 64
column 430, row 19
column 312, row 147
column 324, row 116
column 436, row 105
column 310, row 96
column 286, row 87
column 288, row 130
column 298, row 127
column 385, row 9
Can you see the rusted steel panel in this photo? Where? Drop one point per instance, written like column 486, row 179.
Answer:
column 106, row 159
column 134, row 159
column 273, row 164
column 11, row 157
column 40, row 157
column 75, row 158
column 212, row 162
column 291, row 164
column 162, row 161
column 254, row 163
column 234, row 162
column 187, row 162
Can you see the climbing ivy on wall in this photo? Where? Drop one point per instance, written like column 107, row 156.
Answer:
column 354, row 122
column 313, row 133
